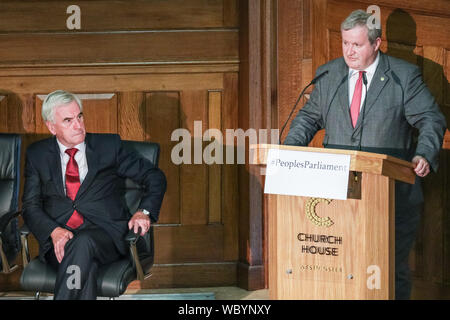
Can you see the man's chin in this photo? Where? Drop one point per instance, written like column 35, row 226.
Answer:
column 352, row 64
column 79, row 138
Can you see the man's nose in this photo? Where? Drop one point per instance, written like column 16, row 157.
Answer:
column 77, row 123
column 349, row 50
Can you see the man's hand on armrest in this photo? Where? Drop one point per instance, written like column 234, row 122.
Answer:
column 139, row 220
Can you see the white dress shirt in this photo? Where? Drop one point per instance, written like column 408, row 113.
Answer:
column 80, row 158
column 353, row 77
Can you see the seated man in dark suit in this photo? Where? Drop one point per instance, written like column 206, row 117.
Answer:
column 72, row 202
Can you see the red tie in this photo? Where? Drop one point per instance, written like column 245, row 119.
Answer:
column 72, row 186
column 356, row 100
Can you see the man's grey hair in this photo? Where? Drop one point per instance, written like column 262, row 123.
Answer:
column 360, row 18
column 56, row 99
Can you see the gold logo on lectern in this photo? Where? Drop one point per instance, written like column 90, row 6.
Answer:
column 312, row 215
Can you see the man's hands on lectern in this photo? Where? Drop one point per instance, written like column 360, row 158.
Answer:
column 141, row 220
column 422, row 167
column 60, row 236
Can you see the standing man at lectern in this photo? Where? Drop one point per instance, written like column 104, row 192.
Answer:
column 367, row 100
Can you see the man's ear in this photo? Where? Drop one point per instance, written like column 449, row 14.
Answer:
column 377, row 43
column 51, row 127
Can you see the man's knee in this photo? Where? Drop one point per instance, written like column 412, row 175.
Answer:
column 81, row 244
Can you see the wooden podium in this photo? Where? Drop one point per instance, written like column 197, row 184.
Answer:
column 336, row 249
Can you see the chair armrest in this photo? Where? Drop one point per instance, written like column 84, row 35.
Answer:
column 6, row 219
column 6, row 268
column 24, row 232
column 132, row 238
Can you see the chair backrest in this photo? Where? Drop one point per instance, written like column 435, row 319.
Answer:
column 10, row 145
column 133, row 193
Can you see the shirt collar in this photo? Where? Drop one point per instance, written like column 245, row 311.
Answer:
column 62, row 148
column 370, row 70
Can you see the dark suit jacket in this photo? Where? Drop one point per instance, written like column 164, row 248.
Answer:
column 99, row 199
column 397, row 102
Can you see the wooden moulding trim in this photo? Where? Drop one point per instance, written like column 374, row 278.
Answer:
column 360, row 161
column 140, row 66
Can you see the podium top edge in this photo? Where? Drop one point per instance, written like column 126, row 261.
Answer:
column 335, row 151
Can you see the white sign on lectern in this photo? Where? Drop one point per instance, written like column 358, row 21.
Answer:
column 307, row 174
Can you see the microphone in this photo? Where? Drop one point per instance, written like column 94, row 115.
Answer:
column 364, row 78
column 313, row 81
column 363, row 109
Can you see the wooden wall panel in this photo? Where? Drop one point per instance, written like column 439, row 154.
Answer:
column 130, row 124
column 231, row 13
column 51, row 16
column 189, row 243
column 180, row 275
column 162, row 117
column 3, row 113
column 194, row 176
column 142, row 47
column 214, row 169
column 230, row 178
column 112, row 82
column 290, row 47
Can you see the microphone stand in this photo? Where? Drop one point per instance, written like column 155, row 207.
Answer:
column 363, row 110
column 298, row 100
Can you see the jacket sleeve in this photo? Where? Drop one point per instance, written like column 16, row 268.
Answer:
column 39, row 223
column 422, row 112
column 142, row 171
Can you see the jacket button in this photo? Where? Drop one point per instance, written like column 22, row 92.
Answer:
column 74, row 205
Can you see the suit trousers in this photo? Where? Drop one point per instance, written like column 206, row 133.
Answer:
column 407, row 220
column 89, row 248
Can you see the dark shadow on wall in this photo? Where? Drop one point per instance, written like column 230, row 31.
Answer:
column 401, row 41
column 429, row 255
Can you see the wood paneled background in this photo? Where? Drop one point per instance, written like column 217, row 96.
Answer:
column 146, row 68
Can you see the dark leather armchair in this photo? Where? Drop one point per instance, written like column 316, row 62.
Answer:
column 9, row 204
column 113, row 279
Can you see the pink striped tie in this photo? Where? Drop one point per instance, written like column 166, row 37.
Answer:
column 72, row 186
column 356, row 100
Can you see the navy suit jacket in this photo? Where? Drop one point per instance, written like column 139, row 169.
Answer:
column 100, row 197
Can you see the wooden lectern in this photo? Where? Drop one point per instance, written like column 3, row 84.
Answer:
column 336, row 249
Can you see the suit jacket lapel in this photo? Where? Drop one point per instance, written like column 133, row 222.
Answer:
column 379, row 80
column 55, row 166
column 92, row 162
column 342, row 92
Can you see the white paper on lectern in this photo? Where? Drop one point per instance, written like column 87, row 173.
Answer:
column 307, row 174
